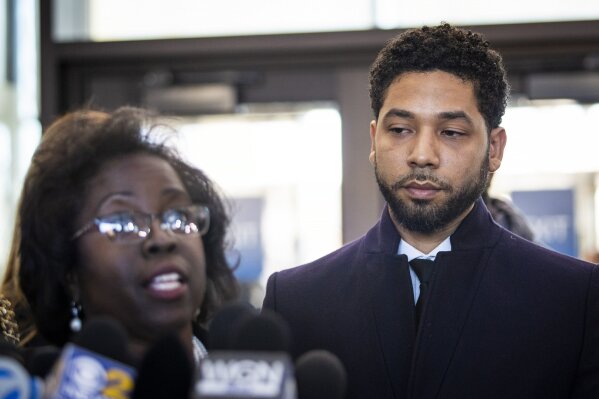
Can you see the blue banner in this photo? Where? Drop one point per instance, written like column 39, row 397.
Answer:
column 551, row 217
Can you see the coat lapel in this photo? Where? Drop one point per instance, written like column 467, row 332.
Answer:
column 452, row 293
column 390, row 297
column 392, row 304
column 453, row 290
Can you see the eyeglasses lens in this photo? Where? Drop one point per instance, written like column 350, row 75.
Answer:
column 133, row 226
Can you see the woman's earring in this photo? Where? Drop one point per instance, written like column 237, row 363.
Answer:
column 75, row 323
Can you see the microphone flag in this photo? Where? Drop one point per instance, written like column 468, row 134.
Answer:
column 239, row 375
column 83, row 374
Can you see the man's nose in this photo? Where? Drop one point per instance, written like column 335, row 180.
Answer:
column 424, row 151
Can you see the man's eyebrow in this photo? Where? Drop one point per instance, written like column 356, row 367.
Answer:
column 450, row 115
column 401, row 113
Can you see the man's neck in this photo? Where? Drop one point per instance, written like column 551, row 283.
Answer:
column 426, row 242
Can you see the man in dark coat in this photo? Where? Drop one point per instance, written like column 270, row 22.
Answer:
column 437, row 300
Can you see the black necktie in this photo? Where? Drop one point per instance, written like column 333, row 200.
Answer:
column 424, row 271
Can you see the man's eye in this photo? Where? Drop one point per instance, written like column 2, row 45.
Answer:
column 452, row 133
column 398, row 130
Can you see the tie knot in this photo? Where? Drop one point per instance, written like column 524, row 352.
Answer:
column 423, row 269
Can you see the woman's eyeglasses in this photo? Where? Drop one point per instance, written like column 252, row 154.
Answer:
column 132, row 226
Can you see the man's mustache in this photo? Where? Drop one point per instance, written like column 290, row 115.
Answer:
column 421, row 177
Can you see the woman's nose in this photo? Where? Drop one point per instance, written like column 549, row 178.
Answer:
column 159, row 240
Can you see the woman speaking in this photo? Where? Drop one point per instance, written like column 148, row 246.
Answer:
column 113, row 222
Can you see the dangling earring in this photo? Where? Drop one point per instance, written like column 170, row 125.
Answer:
column 75, row 323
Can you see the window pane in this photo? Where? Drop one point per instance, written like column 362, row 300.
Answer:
column 398, row 14
column 282, row 172
column 101, row 20
column 551, row 152
column 154, row 19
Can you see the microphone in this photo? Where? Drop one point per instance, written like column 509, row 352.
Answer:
column 15, row 382
column 8, row 349
column 320, row 375
column 105, row 336
column 41, row 360
column 165, row 372
column 225, row 322
column 254, row 364
column 264, row 332
column 93, row 366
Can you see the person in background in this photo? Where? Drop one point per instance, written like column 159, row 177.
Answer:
column 437, row 300
column 113, row 222
column 507, row 215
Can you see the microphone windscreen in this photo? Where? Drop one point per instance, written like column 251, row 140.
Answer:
column 16, row 383
column 264, row 332
column 225, row 322
column 165, row 371
column 104, row 336
column 319, row 374
column 8, row 349
column 41, row 361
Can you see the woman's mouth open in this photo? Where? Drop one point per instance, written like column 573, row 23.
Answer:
column 169, row 285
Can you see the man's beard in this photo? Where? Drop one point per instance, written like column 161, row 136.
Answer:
column 423, row 216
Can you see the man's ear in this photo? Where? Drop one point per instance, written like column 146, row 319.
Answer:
column 372, row 155
column 497, row 141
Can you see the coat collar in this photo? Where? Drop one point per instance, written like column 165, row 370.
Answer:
column 477, row 230
column 384, row 237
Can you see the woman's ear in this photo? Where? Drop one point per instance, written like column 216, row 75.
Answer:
column 73, row 291
column 73, row 286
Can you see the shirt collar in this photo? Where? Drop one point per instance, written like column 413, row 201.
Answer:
column 412, row 253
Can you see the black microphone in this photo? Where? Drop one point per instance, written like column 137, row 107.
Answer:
column 8, row 349
column 319, row 374
column 165, row 372
column 105, row 336
column 40, row 361
column 264, row 332
column 15, row 381
column 87, row 367
column 255, row 365
column 225, row 322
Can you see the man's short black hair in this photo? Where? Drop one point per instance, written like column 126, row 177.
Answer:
column 445, row 48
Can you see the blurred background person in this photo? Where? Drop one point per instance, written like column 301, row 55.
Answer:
column 506, row 214
column 113, row 222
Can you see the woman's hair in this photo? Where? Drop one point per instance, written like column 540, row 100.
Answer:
column 72, row 152
column 445, row 48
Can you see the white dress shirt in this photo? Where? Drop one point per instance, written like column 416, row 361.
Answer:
column 412, row 253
